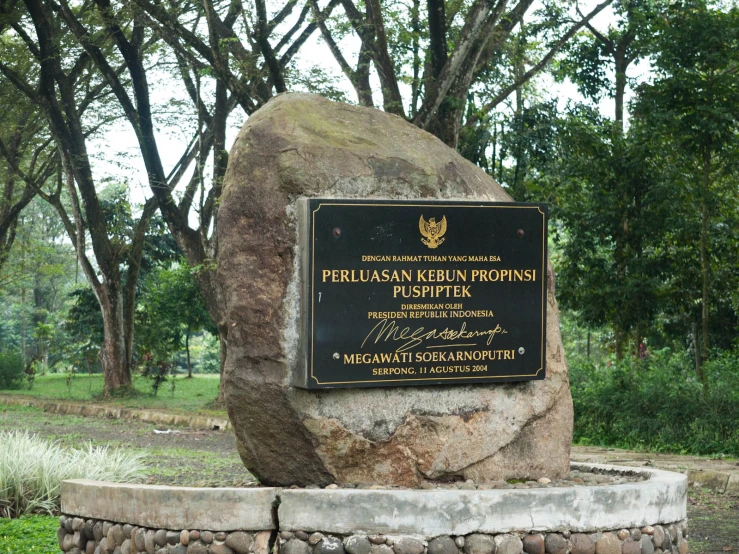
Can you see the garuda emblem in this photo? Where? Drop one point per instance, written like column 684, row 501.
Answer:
column 432, row 231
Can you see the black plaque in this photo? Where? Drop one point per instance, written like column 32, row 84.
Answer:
column 422, row 292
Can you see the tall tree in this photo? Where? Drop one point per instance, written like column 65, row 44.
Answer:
column 612, row 208
column 59, row 79
column 597, row 54
column 171, row 310
column 693, row 105
column 212, row 61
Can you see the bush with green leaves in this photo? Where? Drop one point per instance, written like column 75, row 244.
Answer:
column 34, row 534
column 11, row 370
column 657, row 403
column 32, row 470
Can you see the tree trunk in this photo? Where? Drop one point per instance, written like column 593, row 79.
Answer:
column 23, row 323
column 113, row 354
column 209, row 294
column 619, row 344
column 705, row 268
column 224, row 351
column 447, row 121
column 187, row 351
column 697, row 349
column 621, row 64
column 437, row 36
column 415, row 86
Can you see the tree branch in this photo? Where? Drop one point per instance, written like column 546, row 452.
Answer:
column 475, row 22
column 502, row 95
column 262, row 35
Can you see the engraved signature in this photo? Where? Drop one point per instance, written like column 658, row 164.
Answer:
column 387, row 330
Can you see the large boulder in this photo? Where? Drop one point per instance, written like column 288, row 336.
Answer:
column 301, row 145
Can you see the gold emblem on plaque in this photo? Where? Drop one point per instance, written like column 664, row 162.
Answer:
column 432, row 231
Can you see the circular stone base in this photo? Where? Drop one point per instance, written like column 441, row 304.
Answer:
column 636, row 517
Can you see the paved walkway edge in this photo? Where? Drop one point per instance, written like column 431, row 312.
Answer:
column 114, row 412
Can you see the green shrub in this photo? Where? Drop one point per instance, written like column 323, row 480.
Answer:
column 32, row 470
column 11, row 370
column 658, row 404
column 34, row 534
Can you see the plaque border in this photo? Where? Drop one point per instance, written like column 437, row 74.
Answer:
column 441, row 204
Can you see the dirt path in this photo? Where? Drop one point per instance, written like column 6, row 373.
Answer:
column 672, row 462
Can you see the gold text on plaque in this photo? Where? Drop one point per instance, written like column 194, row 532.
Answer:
column 432, row 231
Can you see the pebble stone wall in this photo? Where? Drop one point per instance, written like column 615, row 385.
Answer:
column 92, row 536
column 78, row 535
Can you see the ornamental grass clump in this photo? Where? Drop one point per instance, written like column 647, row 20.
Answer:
column 32, row 470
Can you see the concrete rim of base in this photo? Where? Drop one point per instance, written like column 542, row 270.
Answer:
column 660, row 498
column 165, row 507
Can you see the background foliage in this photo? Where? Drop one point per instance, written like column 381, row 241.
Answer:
column 658, row 404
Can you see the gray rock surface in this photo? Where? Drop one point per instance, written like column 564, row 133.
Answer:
column 240, row 542
column 329, row 545
column 409, row 545
column 630, row 546
column 115, row 535
column 160, row 537
column 608, row 544
column 381, row 549
column 508, row 544
column 140, row 539
column 442, row 545
column 61, row 533
column 555, row 544
column 481, row 544
column 357, row 544
column 582, row 544
column 647, row 547
column 302, row 145
column 295, row 546
column 659, row 536
column 197, row 547
column 219, row 548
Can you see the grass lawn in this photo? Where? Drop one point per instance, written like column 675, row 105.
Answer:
column 35, row 534
column 188, row 395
